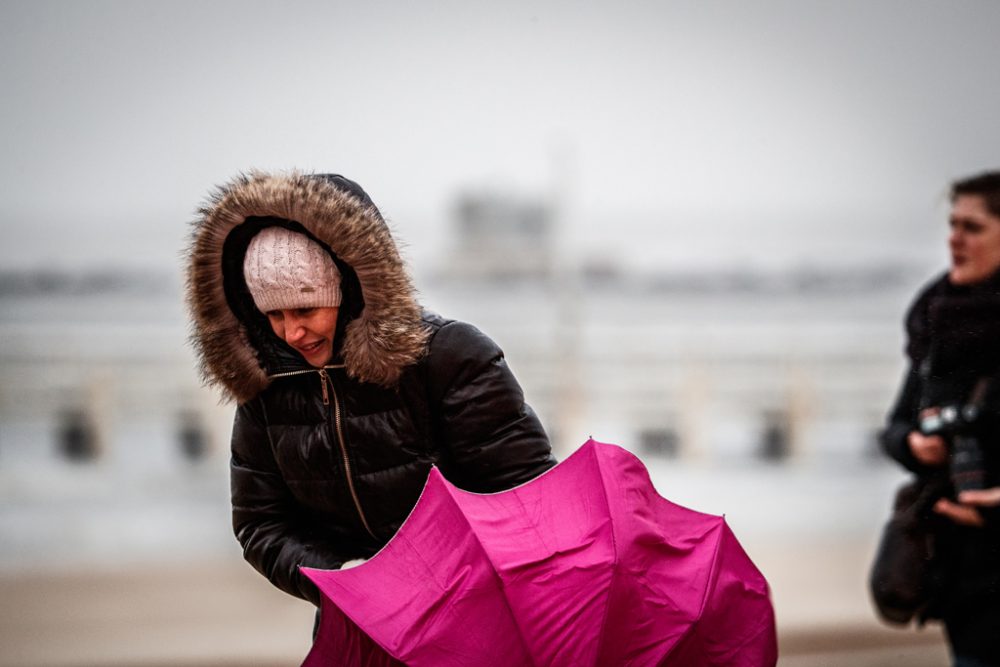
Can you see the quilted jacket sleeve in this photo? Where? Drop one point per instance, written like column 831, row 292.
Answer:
column 266, row 518
column 493, row 439
column 901, row 420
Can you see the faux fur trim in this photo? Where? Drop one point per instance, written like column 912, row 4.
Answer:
column 385, row 338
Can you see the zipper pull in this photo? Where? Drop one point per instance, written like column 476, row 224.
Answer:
column 326, row 390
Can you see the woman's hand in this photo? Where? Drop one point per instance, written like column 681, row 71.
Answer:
column 981, row 498
column 930, row 450
column 964, row 511
column 960, row 513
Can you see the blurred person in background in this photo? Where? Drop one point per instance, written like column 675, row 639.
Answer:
column 945, row 424
column 347, row 391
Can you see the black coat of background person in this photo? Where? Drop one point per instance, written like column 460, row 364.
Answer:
column 953, row 341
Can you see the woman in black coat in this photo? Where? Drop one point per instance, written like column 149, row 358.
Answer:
column 953, row 330
column 347, row 391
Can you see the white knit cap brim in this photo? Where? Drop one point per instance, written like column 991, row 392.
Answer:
column 285, row 269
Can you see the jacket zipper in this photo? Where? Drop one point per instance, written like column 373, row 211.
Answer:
column 327, row 386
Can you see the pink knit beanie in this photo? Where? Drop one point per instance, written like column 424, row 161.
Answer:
column 286, row 269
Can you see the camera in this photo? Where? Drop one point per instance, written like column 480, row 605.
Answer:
column 958, row 424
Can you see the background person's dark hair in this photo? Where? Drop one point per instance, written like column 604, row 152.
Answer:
column 986, row 185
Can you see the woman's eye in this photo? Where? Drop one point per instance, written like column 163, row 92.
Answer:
column 304, row 311
column 275, row 315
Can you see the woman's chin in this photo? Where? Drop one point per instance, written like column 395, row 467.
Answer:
column 960, row 275
column 318, row 357
column 316, row 361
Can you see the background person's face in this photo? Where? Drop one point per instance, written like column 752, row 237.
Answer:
column 309, row 331
column 974, row 241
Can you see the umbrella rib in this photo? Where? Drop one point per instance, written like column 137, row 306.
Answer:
column 614, row 547
column 452, row 490
column 713, row 577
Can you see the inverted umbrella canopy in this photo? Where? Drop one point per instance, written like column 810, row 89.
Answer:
column 585, row 565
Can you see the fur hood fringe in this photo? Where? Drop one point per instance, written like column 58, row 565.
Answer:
column 385, row 338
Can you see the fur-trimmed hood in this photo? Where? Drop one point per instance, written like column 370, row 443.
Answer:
column 381, row 332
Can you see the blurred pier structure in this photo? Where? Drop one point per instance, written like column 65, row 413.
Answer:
column 712, row 366
column 752, row 394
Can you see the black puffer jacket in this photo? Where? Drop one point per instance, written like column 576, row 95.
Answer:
column 327, row 463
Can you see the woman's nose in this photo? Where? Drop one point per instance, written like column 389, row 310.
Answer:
column 293, row 329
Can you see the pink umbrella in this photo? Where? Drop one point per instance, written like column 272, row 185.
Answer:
column 585, row 565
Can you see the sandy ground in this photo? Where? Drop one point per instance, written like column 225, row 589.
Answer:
column 222, row 613
column 214, row 614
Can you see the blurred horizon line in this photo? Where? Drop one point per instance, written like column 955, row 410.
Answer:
column 92, row 280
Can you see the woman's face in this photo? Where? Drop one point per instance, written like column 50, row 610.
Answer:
column 974, row 241
column 309, row 331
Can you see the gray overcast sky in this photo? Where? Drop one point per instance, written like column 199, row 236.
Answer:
column 765, row 133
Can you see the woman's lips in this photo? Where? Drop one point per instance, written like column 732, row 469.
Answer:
column 311, row 347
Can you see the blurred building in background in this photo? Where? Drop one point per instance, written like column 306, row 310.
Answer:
column 106, row 431
column 110, row 450
column 501, row 238
column 754, row 395
column 720, row 366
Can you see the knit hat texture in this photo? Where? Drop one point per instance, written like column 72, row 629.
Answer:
column 286, row 269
